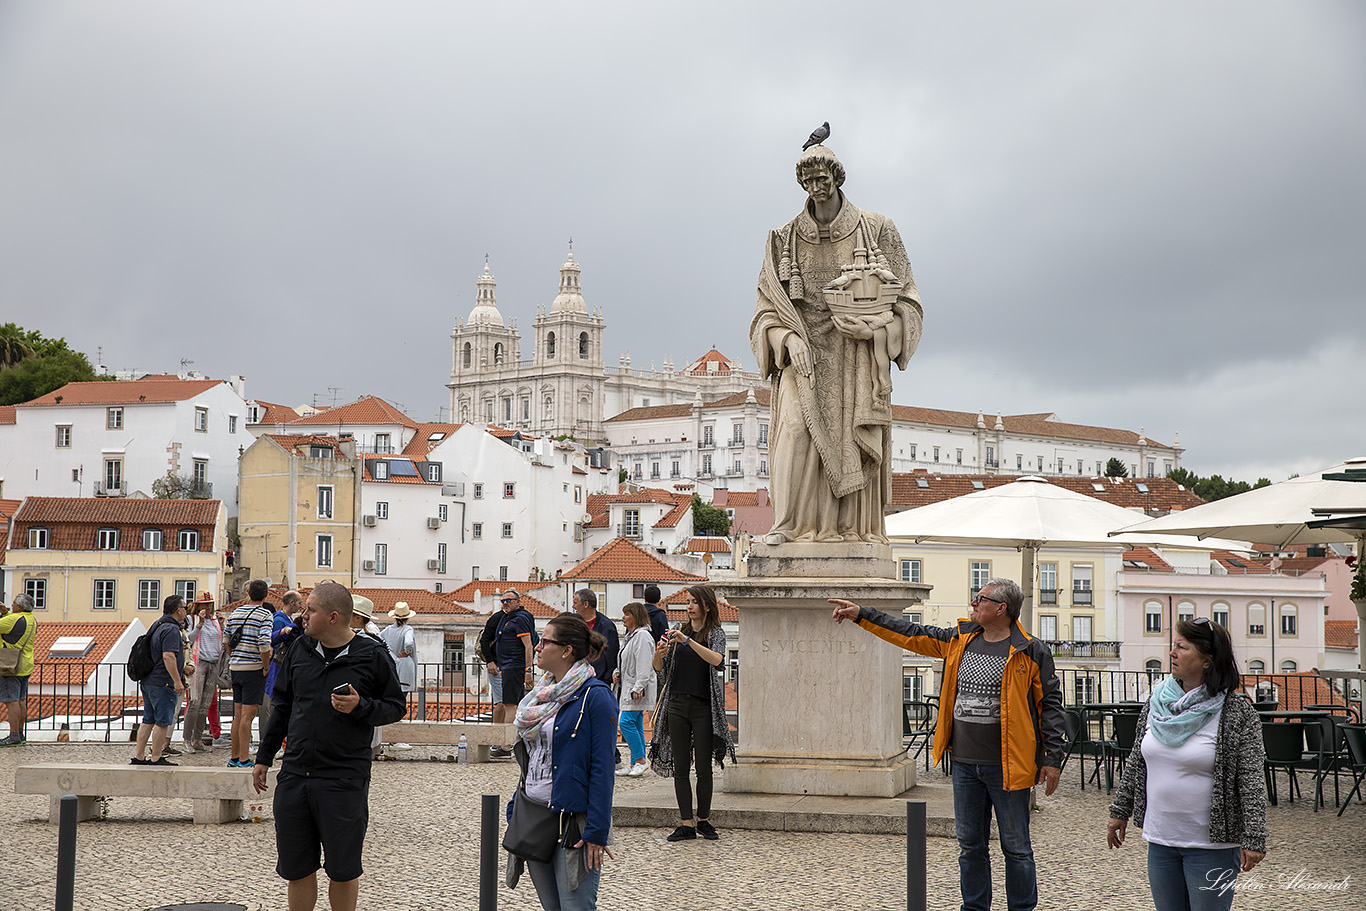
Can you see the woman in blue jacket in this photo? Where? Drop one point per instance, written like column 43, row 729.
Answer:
column 567, row 732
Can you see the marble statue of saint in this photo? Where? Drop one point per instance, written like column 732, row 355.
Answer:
column 837, row 306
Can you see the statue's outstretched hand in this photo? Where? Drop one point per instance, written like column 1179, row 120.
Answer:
column 798, row 354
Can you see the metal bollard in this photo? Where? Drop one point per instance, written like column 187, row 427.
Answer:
column 66, row 854
column 916, row 888
column 488, row 854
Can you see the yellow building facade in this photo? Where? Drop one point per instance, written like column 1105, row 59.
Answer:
column 298, row 509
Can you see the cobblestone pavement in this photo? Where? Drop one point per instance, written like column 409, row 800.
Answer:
column 423, row 847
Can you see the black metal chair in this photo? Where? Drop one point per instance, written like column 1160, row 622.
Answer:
column 1324, row 741
column 1354, row 735
column 917, row 728
column 1284, row 743
column 1125, row 727
column 1080, row 742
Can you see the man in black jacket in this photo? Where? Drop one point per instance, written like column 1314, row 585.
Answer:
column 334, row 688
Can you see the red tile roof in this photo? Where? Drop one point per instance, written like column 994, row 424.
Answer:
column 1237, row 564
column 368, row 409
column 419, row 599
column 1296, row 690
column 1149, row 558
column 272, row 413
column 1298, row 566
column 298, row 443
column 1037, row 425
column 157, row 389
column 724, row 366
column 466, row 592
column 676, row 603
column 8, row 414
column 105, row 634
column 74, row 521
column 537, row 607
column 735, row 499
column 1163, row 494
column 7, row 510
column 761, row 397
column 708, row 545
column 422, row 443
column 653, row 412
column 1340, row 633
column 599, row 505
column 621, row 561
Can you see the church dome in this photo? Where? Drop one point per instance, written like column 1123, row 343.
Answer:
column 569, row 300
column 485, row 312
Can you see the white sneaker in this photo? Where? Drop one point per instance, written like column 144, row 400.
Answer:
column 636, row 770
column 623, row 772
column 400, row 746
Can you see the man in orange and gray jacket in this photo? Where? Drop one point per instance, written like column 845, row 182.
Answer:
column 1000, row 715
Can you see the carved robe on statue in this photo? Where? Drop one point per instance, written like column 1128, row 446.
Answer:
column 830, row 440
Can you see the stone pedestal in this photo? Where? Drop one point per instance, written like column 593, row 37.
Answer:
column 820, row 702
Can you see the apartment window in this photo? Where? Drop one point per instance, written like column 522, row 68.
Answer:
column 379, row 469
column 201, row 420
column 936, row 453
column 630, row 523
column 325, row 501
column 1185, row 610
column 1288, row 627
column 253, row 414
column 474, row 574
column 437, row 586
column 1153, row 666
column 960, row 457
column 1084, row 689
column 38, row 538
column 507, row 529
column 382, row 509
column 440, row 558
column 1152, row 469
column 381, row 559
column 200, row 473
column 1288, row 666
column 502, row 573
column 578, row 492
column 479, row 491
column 1059, row 466
column 991, row 456
column 64, row 436
column 104, row 594
column 1019, row 461
column 708, row 435
column 434, row 474
column 1152, row 617
column 185, row 588
column 763, row 467
column 1048, row 627
column 477, row 530
column 151, row 539
column 188, row 539
column 149, row 594
column 507, row 402
column 232, row 423
column 1040, row 463
column 737, row 434
column 443, row 512
column 509, row 490
column 1221, row 615
column 382, row 443
column 488, row 411
column 1256, row 620
column 763, row 437
column 1048, row 583
column 673, row 469
column 910, row 571
column 737, row 468
column 113, row 475
column 654, row 469
column 1081, row 585
column 1081, row 629
column 1256, row 666
column 979, row 573
column 113, row 418
column 1100, row 469
column 912, row 452
column 320, row 452
column 914, row 617
column 636, row 471
column 706, row 464
column 37, row 590
column 526, row 408
column 107, row 539
column 323, row 548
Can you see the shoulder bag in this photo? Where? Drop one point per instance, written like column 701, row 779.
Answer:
column 9, row 660
column 534, row 830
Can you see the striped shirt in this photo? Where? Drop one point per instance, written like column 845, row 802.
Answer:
column 255, row 622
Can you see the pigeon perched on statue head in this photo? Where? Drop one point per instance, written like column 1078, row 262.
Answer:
column 818, row 135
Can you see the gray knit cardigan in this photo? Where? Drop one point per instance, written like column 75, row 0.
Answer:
column 1237, row 812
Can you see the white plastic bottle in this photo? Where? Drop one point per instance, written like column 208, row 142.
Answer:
column 461, row 757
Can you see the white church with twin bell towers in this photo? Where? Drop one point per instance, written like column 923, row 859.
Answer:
column 564, row 387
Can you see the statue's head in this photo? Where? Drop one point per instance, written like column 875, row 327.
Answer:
column 819, row 172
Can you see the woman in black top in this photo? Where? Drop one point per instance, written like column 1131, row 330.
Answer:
column 691, row 721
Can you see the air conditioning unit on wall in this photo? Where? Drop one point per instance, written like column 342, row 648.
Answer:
column 433, row 523
column 433, row 564
column 369, row 521
column 368, row 565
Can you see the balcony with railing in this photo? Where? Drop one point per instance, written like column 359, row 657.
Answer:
column 1076, row 648
column 103, row 489
column 1048, row 596
column 1081, row 597
column 629, row 530
column 706, row 444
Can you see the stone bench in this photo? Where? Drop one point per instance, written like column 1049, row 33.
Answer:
column 218, row 793
column 479, row 736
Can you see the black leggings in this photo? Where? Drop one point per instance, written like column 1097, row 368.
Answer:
column 690, row 734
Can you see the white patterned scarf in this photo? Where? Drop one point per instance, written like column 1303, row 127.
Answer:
column 540, row 705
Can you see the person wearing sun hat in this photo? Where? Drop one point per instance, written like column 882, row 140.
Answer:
column 402, row 645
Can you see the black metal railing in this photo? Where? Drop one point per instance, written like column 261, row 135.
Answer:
column 1048, row 596
column 631, row 531
column 1081, row 596
column 1078, row 648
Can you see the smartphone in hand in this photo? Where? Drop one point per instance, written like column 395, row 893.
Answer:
column 343, row 690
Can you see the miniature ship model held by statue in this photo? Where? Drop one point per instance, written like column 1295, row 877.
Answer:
column 837, row 306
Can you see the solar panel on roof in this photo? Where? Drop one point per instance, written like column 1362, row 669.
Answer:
column 401, row 468
column 1236, row 562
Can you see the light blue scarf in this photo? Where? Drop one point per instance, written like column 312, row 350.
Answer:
column 1174, row 714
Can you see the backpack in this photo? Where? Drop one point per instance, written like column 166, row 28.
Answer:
column 140, row 660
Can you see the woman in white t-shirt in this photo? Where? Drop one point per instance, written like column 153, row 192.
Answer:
column 1194, row 780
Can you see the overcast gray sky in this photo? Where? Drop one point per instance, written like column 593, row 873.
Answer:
column 1140, row 215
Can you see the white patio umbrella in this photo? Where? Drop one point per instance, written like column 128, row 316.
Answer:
column 1027, row 514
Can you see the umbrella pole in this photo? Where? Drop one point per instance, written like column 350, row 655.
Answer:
column 1027, row 586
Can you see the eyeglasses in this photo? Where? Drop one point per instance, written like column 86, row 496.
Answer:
column 1203, row 621
column 546, row 641
column 979, row 598
column 508, row 601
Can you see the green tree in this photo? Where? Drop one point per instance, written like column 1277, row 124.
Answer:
column 14, row 345
column 1114, row 468
column 709, row 520
column 1214, row 487
column 40, row 374
column 173, row 487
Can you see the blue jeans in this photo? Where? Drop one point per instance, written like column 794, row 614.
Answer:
column 633, row 731
column 1192, row 879
column 552, row 885
column 977, row 790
